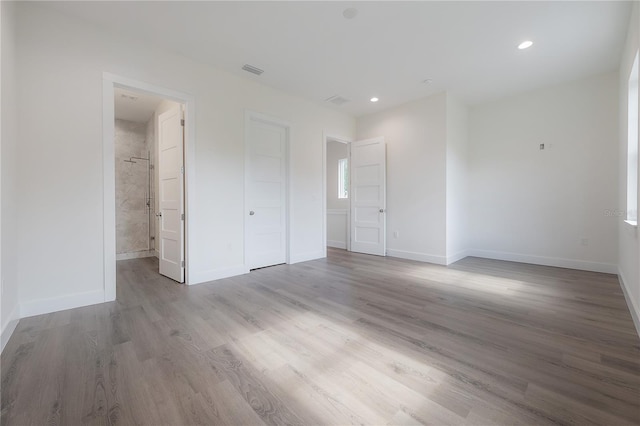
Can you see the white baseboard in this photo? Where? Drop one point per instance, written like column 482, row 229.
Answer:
column 457, row 256
column 634, row 308
column 582, row 265
column 420, row 257
column 217, row 274
column 304, row 257
column 9, row 328
column 62, row 303
column 135, row 255
column 337, row 244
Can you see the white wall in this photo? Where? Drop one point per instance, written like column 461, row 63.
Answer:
column 427, row 162
column 60, row 63
column 537, row 206
column 337, row 228
column 457, row 180
column 415, row 134
column 629, row 251
column 9, row 146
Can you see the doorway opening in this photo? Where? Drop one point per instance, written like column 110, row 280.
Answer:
column 146, row 154
column 149, row 160
column 337, row 193
column 135, row 169
column 356, row 184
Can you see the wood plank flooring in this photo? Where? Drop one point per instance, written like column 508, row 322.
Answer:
column 351, row 339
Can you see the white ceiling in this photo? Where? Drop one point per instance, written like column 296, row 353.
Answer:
column 134, row 106
column 310, row 49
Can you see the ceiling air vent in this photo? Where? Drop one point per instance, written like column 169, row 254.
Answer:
column 252, row 69
column 337, row 100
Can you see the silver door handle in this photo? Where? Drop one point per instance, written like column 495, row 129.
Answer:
column 381, row 210
column 251, row 213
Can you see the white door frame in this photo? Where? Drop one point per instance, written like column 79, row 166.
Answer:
column 325, row 139
column 256, row 116
column 109, row 83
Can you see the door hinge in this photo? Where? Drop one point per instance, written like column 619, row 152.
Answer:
column 182, row 263
column 182, row 216
column 182, row 169
column 182, row 122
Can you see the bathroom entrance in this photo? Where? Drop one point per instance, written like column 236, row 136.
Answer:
column 149, row 180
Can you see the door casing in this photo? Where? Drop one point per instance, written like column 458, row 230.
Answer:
column 109, row 83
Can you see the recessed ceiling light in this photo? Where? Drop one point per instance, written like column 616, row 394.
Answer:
column 525, row 45
column 350, row 13
column 374, row 99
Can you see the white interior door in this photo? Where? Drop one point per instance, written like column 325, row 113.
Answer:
column 171, row 193
column 266, row 193
column 368, row 196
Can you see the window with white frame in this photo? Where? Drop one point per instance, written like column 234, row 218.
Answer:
column 343, row 178
column 632, row 147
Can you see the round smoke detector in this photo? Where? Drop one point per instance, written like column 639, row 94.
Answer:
column 350, row 13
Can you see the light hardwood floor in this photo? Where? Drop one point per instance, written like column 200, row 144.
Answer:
column 351, row 339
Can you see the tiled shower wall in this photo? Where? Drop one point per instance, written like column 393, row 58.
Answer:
column 132, row 212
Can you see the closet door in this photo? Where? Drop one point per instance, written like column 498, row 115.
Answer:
column 265, row 192
column 368, row 196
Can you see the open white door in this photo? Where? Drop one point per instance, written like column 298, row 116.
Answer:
column 266, row 193
column 368, row 196
column 171, row 193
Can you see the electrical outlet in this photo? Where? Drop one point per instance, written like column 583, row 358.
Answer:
column 541, row 146
column 584, row 241
column 396, row 234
